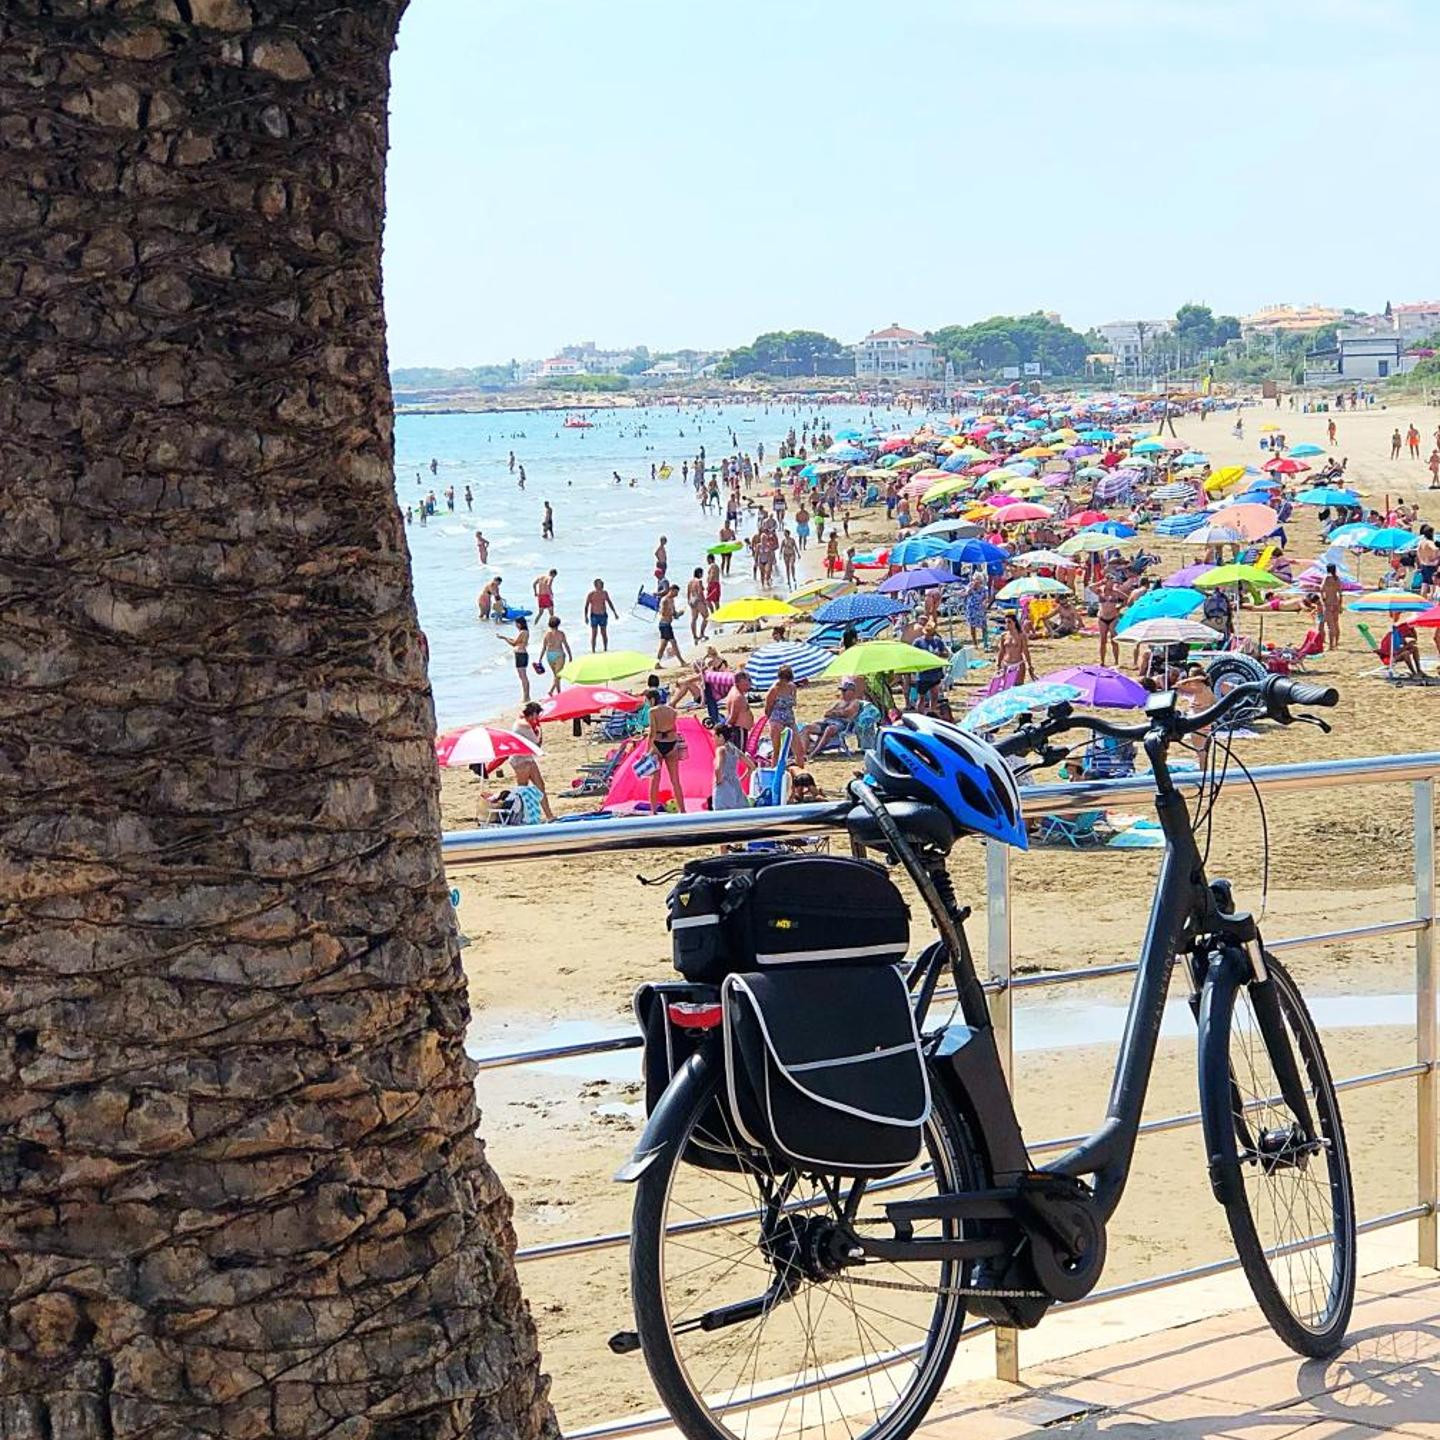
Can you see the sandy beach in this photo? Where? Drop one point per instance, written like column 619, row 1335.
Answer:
column 565, row 942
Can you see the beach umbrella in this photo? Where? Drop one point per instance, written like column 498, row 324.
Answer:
column 1100, row 686
column 762, row 665
column 1092, row 472
column 751, row 607
column 1166, row 630
column 1023, row 510
column 1151, row 446
column 849, row 434
column 1355, row 536
column 577, row 701
column 793, row 462
column 996, row 710
column 867, row 606
column 916, row 549
column 1281, row 466
column 1390, row 539
column 1208, row 534
column 1092, row 542
column 1327, row 495
column 955, row 529
column 1097, row 434
column 815, row 593
column 1268, row 429
column 1175, row 490
column 1427, row 619
column 482, row 745
column 974, row 552
column 1223, row 479
column 1192, row 457
column 925, row 578
column 1251, row 575
column 1187, row 574
column 883, row 657
column 1118, row 528
column 1086, row 517
column 1032, row 585
column 1299, row 452
column 725, row 547
column 1252, row 521
column 840, row 451
column 1390, row 602
column 608, row 665
column 942, row 489
column 1313, row 576
column 1037, row 559
column 1166, row 603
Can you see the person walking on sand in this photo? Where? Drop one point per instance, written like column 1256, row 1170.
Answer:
column 599, row 607
column 520, row 644
column 1395, row 443
column 789, row 554
column 556, row 646
column 544, row 588
column 1412, row 442
column 668, row 613
column 547, row 523
column 1434, row 464
column 1331, row 594
column 668, row 749
column 1330, row 428
column 695, row 602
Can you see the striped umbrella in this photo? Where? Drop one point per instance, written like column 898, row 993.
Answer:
column 763, row 665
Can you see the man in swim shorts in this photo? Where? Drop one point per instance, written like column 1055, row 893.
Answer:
column 598, row 609
column 544, row 588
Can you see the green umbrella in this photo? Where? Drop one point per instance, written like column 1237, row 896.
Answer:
column 1032, row 585
column 608, row 665
column 1237, row 575
column 882, row 657
column 791, row 463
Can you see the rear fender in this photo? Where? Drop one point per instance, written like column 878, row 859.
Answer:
column 674, row 1107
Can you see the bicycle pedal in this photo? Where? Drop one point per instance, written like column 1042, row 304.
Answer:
column 624, row 1342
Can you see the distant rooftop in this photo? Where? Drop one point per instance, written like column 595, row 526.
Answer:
column 894, row 332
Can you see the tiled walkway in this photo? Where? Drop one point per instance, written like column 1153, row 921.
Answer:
column 1227, row 1376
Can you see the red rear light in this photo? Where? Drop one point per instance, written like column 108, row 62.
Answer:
column 691, row 1016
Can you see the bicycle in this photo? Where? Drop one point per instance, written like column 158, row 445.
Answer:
column 845, row 1297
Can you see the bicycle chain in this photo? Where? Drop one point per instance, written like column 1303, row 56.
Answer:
column 942, row 1289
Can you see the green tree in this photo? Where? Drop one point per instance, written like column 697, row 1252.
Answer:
column 1002, row 340
column 787, row 352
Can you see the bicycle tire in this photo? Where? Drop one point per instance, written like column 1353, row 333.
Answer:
column 694, row 1405
column 1235, row 1106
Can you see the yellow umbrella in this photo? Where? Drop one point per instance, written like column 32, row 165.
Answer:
column 819, row 592
column 751, row 607
column 981, row 511
column 1027, row 485
column 1000, row 476
column 950, row 485
column 883, row 657
column 910, row 462
column 1223, row 479
column 1094, row 540
column 1038, row 452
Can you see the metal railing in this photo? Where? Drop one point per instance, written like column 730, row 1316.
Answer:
column 469, row 848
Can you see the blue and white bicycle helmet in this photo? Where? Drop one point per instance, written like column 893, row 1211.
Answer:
column 921, row 758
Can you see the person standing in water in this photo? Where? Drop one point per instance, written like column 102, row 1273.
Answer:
column 662, row 560
column 544, row 589
column 520, row 644
column 522, row 478
column 469, row 499
column 482, row 547
column 668, row 613
column 599, row 607
column 547, row 523
column 695, row 601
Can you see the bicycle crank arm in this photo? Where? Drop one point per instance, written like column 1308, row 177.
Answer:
column 626, row 1342
column 903, row 1250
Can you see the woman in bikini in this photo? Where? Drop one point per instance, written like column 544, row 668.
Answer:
column 1014, row 649
column 1107, row 615
column 780, row 712
column 557, row 652
column 521, row 646
column 666, row 744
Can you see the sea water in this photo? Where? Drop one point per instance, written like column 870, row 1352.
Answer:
column 601, row 528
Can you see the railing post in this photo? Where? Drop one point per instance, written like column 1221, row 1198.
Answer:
column 1002, row 1014
column 1427, row 1085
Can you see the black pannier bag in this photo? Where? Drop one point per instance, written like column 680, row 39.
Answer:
column 733, row 913
column 668, row 1045
column 824, row 1070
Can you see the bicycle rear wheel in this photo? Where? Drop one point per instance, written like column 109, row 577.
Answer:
column 1279, row 1166
column 861, row 1348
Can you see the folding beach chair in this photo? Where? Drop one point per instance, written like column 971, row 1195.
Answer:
column 770, row 785
column 1106, row 758
column 1077, row 831
column 1007, row 679
column 595, row 779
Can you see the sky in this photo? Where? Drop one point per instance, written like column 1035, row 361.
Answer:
column 674, row 173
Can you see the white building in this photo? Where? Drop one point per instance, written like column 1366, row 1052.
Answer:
column 1417, row 321
column 1129, row 342
column 1358, row 354
column 896, row 355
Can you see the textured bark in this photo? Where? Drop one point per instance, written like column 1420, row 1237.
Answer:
column 240, row 1188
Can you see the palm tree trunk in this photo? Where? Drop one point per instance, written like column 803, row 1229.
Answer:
column 241, row 1191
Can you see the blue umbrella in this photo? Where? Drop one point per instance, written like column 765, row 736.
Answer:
column 974, row 552
column 763, row 665
column 846, row 452
column 1327, row 495
column 993, row 712
column 1167, row 603
column 1391, row 539
column 1181, row 524
column 916, row 549
column 856, row 607
column 926, row 578
column 1097, row 434
column 1354, row 536
column 849, row 435
column 1299, row 452
column 954, row 463
column 1192, row 457
column 1111, row 527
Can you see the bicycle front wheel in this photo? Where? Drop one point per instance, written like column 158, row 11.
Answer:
column 1278, row 1165
column 750, row 1327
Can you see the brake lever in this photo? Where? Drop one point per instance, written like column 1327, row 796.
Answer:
column 1323, row 726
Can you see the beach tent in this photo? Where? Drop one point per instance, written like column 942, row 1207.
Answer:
column 697, row 772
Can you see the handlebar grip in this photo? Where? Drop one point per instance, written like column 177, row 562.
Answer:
column 1285, row 693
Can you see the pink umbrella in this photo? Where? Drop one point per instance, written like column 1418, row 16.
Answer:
column 1023, row 510
column 1252, row 521
column 578, row 701
column 481, row 745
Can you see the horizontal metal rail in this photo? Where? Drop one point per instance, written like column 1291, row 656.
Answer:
column 557, row 1249
column 462, row 848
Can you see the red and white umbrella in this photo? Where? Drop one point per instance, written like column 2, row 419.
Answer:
column 578, row 701
column 481, row 745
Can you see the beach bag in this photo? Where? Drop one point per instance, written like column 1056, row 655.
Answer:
column 824, row 1070
column 660, row 1012
column 747, row 912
